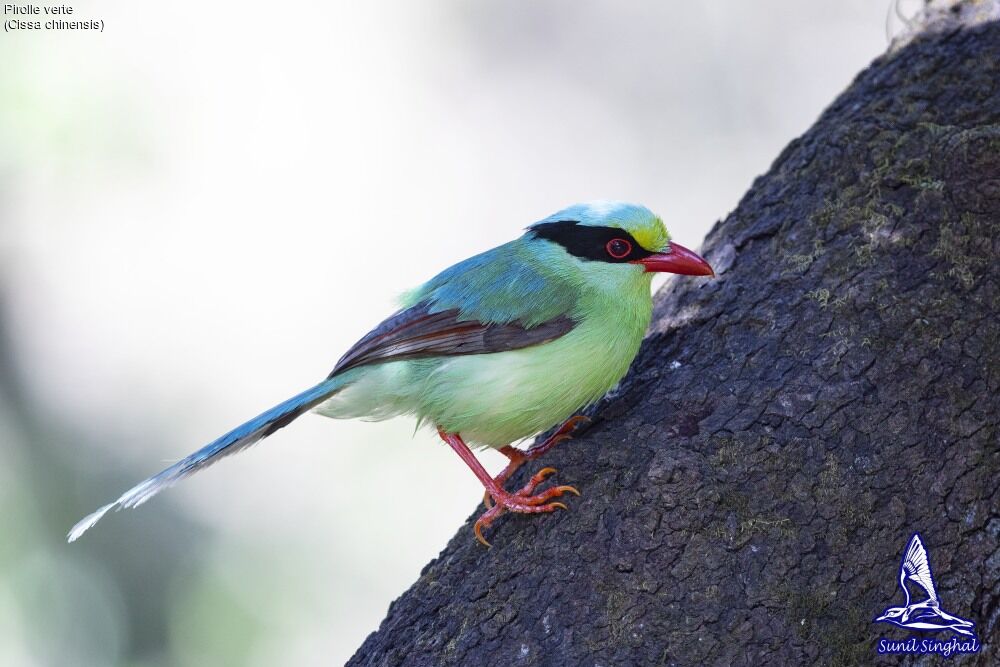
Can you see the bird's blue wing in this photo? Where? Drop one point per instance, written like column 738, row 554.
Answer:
column 497, row 301
column 517, row 281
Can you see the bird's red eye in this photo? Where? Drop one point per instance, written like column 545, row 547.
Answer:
column 618, row 248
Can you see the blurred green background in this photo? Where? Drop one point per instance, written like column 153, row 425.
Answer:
column 204, row 206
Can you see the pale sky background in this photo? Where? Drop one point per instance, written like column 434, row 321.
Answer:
column 204, row 206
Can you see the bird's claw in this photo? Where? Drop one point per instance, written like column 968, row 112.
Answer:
column 524, row 501
column 518, row 457
column 529, row 488
column 491, row 515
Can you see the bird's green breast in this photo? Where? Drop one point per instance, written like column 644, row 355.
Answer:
column 497, row 399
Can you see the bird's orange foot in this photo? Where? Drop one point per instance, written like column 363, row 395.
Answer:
column 524, row 501
column 517, row 457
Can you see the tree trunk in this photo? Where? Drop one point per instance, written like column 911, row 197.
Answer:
column 749, row 489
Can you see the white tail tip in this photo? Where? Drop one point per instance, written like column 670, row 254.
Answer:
column 84, row 524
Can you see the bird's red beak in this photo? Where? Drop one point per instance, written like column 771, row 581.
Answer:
column 677, row 259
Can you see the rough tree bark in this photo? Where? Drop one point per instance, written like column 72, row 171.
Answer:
column 749, row 489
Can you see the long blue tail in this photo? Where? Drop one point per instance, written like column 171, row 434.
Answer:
column 236, row 440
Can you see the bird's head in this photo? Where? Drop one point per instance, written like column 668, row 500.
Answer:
column 614, row 244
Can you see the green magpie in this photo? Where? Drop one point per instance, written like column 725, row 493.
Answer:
column 495, row 349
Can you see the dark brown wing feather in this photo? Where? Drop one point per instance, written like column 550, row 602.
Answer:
column 417, row 332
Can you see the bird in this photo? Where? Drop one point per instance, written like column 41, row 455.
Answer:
column 502, row 346
column 926, row 614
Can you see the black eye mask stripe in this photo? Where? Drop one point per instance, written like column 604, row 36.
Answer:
column 588, row 242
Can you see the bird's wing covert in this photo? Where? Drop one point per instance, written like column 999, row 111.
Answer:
column 419, row 332
column 519, row 281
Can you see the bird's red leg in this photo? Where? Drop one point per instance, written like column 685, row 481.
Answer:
column 521, row 502
column 517, row 457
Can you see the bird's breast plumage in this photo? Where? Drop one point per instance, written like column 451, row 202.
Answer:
column 497, row 399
